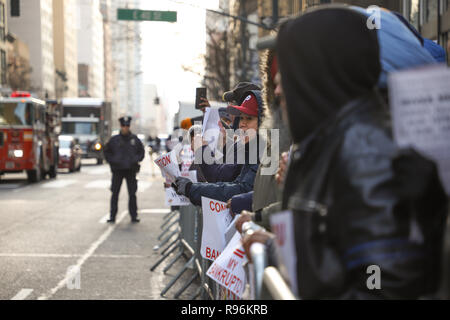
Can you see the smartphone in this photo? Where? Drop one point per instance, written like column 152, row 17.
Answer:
column 199, row 93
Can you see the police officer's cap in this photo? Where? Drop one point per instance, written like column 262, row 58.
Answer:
column 125, row 121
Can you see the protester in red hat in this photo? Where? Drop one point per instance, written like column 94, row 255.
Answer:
column 248, row 116
column 248, row 113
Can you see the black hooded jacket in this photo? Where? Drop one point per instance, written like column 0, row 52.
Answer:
column 358, row 201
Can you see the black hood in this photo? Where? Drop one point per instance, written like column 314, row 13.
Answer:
column 327, row 57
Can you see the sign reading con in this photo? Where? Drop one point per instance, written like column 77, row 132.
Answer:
column 146, row 15
column 169, row 166
column 216, row 219
column 227, row 270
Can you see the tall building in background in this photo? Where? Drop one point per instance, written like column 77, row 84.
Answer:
column 19, row 69
column 32, row 22
column 153, row 114
column 65, row 48
column 91, row 74
column 138, row 76
column 3, row 45
column 111, row 92
column 126, row 54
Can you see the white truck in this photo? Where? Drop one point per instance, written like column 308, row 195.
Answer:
column 88, row 120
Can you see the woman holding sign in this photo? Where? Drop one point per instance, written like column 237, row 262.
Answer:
column 249, row 116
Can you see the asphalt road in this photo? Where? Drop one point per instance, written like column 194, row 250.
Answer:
column 55, row 242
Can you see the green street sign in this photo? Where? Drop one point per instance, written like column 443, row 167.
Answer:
column 146, row 15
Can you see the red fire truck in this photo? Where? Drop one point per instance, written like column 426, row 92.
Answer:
column 29, row 130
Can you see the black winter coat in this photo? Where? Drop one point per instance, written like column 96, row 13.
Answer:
column 359, row 200
column 124, row 152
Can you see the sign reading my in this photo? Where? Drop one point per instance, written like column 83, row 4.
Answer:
column 146, row 15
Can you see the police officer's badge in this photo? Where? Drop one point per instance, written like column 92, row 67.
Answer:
column 132, row 142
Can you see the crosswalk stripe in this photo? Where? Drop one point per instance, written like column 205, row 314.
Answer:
column 98, row 184
column 22, row 294
column 58, row 183
column 96, row 171
column 143, row 185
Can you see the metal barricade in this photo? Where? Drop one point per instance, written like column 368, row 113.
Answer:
column 183, row 227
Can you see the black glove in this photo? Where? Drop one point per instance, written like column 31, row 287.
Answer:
column 182, row 186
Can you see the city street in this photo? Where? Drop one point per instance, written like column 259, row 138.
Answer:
column 48, row 227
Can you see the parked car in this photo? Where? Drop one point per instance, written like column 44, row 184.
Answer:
column 69, row 153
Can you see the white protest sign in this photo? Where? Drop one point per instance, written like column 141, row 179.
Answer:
column 174, row 199
column 169, row 165
column 187, row 158
column 282, row 224
column 231, row 229
column 210, row 128
column 227, row 270
column 420, row 108
column 216, row 219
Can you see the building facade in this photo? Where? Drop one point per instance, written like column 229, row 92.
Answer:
column 126, row 55
column 65, row 48
column 217, row 55
column 90, row 48
column 244, row 56
column 430, row 17
column 18, row 65
column 33, row 24
column 111, row 92
column 3, row 45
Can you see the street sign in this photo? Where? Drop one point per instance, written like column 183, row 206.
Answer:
column 146, row 15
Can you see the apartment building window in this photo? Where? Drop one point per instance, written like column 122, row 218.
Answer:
column 15, row 8
column 3, row 66
column 2, row 22
column 411, row 10
column 431, row 7
column 445, row 5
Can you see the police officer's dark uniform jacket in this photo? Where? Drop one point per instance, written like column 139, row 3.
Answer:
column 123, row 153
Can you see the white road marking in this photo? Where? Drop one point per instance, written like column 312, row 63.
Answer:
column 38, row 255
column 98, row 184
column 104, row 218
column 83, row 259
column 22, row 294
column 96, row 171
column 143, row 185
column 57, row 255
column 105, row 184
column 58, row 183
column 164, row 211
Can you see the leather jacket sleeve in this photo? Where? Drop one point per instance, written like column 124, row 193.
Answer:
column 391, row 209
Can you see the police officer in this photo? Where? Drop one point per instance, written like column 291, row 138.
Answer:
column 123, row 152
